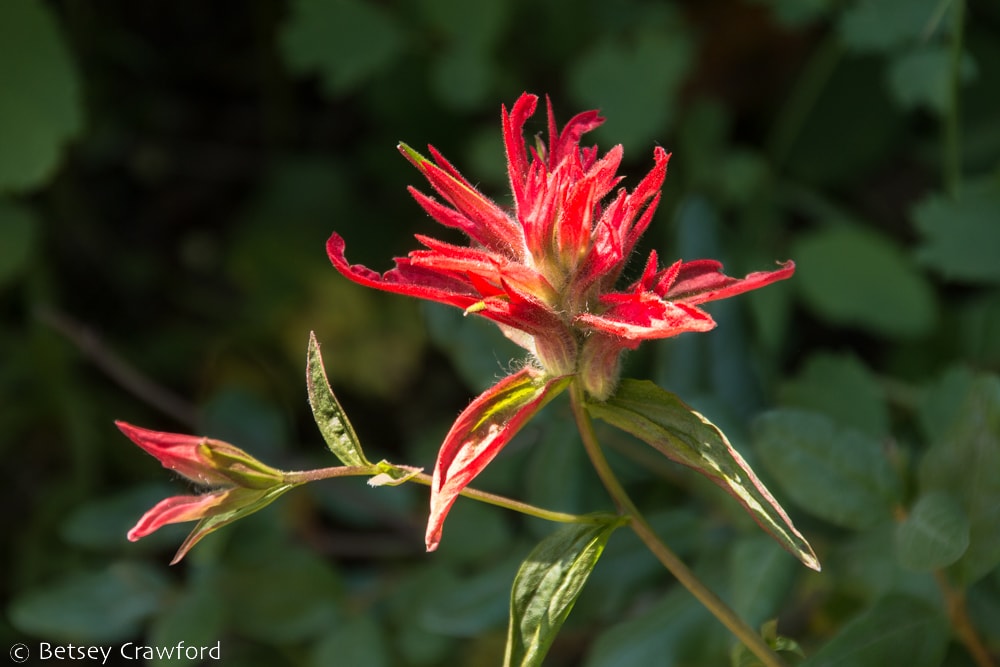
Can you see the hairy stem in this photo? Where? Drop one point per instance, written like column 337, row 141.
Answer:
column 663, row 553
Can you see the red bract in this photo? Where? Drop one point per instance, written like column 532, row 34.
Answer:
column 545, row 270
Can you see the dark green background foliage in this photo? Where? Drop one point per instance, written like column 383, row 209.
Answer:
column 169, row 172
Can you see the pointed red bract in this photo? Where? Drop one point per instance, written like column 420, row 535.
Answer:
column 478, row 435
column 238, row 484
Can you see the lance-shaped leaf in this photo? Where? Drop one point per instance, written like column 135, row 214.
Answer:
column 479, row 434
column 547, row 586
column 665, row 422
column 333, row 423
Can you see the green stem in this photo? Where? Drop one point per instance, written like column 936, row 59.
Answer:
column 304, row 476
column 663, row 553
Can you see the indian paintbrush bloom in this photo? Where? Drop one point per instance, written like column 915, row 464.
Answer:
column 237, row 483
column 545, row 270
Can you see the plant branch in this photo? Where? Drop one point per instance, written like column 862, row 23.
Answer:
column 958, row 614
column 663, row 553
column 412, row 475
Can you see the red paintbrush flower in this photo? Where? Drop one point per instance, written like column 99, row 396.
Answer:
column 545, row 270
column 237, row 484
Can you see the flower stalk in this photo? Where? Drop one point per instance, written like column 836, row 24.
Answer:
column 663, row 553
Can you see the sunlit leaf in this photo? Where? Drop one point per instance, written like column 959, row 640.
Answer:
column 665, row 422
column 40, row 108
column 333, row 423
column 547, row 586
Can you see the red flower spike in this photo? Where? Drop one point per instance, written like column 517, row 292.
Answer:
column 545, row 271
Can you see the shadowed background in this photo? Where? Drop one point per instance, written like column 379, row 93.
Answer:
column 169, row 173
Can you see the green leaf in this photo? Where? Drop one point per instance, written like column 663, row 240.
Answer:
column 837, row 474
column 923, row 77
column 615, row 76
column 277, row 593
column 333, row 423
column 105, row 606
column 359, row 642
column 195, row 617
column 40, row 108
column 855, row 276
column 346, row 41
column 883, row 25
column 469, row 25
column 842, row 387
column 964, row 464
column 797, row 13
column 547, row 586
column 942, row 402
column 934, row 534
column 898, row 630
column 674, row 429
column 761, row 576
column 471, row 606
column 670, row 633
column 18, row 239
column 961, row 237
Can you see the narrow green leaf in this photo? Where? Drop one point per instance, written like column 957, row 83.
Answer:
column 547, row 586
column 898, row 630
column 665, row 422
column 837, row 474
column 333, row 423
column 964, row 464
column 935, row 534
